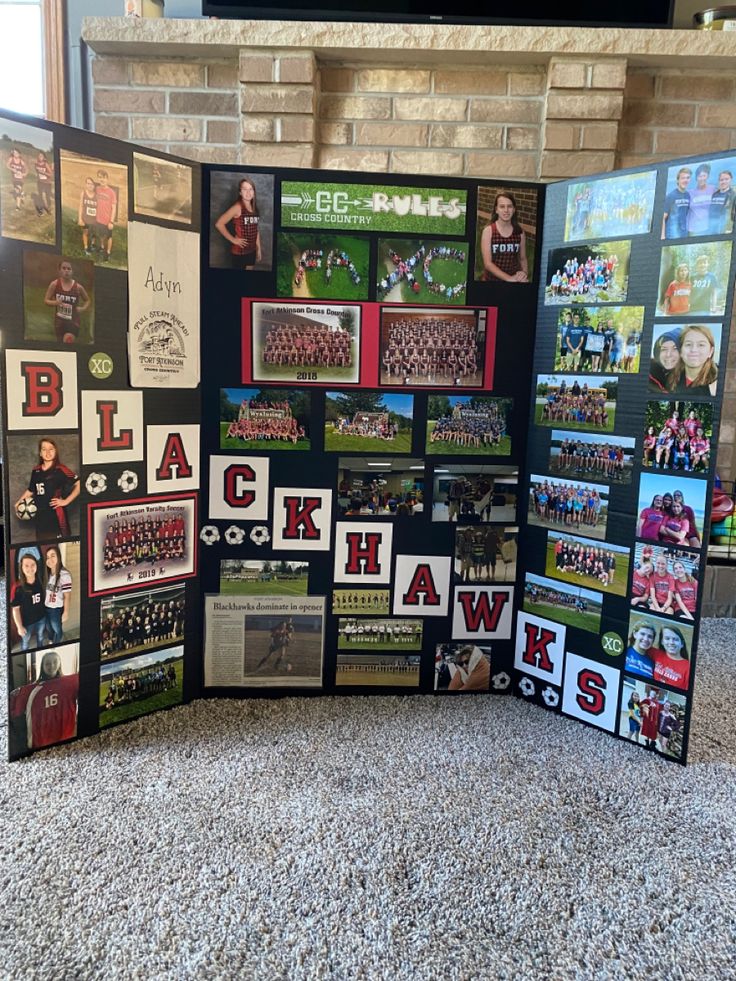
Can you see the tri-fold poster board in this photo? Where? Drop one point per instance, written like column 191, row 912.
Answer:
column 290, row 431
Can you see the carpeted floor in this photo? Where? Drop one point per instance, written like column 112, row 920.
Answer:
column 439, row 838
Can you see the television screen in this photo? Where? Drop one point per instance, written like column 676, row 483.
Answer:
column 630, row 13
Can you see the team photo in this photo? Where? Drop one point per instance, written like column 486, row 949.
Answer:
column 421, row 347
column 671, row 509
column 583, row 562
column 322, row 265
column 305, row 343
column 574, row 606
column 380, row 487
column 94, row 210
column 365, row 422
column 576, row 402
column 264, row 419
column 664, row 581
column 700, row 199
column 462, row 425
column 600, row 339
column 611, row 206
column 474, row 493
column 677, row 436
column 486, row 553
column 693, row 280
column 361, row 602
column 422, row 271
column 597, row 457
column 685, row 358
column 253, row 577
column 27, row 183
column 139, row 685
column 132, row 623
column 162, row 189
column 462, row 667
column 58, row 299
column 44, row 588
column 387, row 635
column 581, row 506
column 591, row 273
column 241, row 237
column 389, row 670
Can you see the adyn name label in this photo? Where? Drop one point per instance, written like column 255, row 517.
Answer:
column 373, row 207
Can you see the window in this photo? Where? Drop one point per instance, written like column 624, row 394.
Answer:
column 31, row 57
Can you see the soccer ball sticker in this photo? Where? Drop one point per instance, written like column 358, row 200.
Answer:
column 96, row 483
column 527, row 687
column 260, row 535
column 234, row 535
column 209, row 534
column 551, row 697
column 26, row 509
column 501, row 681
column 128, row 481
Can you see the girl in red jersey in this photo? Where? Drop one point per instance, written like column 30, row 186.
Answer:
column 641, row 582
column 675, row 528
column 686, row 592
column 503, row 243
column 245, row 242
column 651, row 519
column 662, row 587
column 672, row 660
column 676, row 299
column 44, row 711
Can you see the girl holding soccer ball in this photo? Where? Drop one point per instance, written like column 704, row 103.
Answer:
column 53, row 486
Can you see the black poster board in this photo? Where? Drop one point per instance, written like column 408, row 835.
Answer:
column 392, row 450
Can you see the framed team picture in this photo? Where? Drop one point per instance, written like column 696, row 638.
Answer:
column 693, row 279
column 94, row 210
column 27, row 183
column 506, row 237
column 58, row 299
column 162, row 189
column 139, row 543
column 322, row 265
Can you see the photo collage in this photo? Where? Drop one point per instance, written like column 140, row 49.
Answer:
column 631, row 341
column 97, row 519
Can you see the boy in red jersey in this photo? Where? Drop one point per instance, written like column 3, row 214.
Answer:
column 107, row 214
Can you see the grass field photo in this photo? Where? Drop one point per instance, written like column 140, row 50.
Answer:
column 246, row 577
column 366, row 422
column 283, row 651
column 590, row 273
column 134, row 622
column 584, row 402
column 571, row 605
column 589, row 456
column 419, row 271
column 366, row 670
column 27, row 192
column 462, row 425
column 162, row 189
column 361, row 601
column 41, row 271
column 139, row 685
column 264, row 419
column 383, row 635
column 76, row 173
column 618, row 576
column 322, row 265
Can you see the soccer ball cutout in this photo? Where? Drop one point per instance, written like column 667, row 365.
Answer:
column 96, row 483
column 128, row 481
column 501, row 681
column 260, row 535
column 527, row 688
column 209, row 534
column 234, row 535
column 26, row 509
column 551, row 698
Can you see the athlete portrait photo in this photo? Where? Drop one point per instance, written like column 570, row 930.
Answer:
column 42, row 708
column 44, row 487
column 27, row 183
column 506, row 236
column 241, row 237
column 58, row 299
column 94, row 210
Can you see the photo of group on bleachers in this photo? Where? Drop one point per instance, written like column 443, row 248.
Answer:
column 438, row 349
column 468, row 424
column 131, row 623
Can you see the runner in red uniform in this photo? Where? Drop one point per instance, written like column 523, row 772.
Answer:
column 107, row 214
column 503, row 243
column 69, row 299
column 245, row 239
column 17, row 167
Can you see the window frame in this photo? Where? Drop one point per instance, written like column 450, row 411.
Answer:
column 54, row 69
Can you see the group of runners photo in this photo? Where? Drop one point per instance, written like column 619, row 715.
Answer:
column 308, row 345
column 576, row 403
column 572, row 505
column 264, row 420
column 586, row 278
column 610, row 342
column 429, row 350
column 478, row 426
column 129, row 542
column 576, row 454
column 665, row 581
column 415, row 271
column 594, row 562
column 613, row 206
column 336, row 259
column 40, row 168
column 140, row 624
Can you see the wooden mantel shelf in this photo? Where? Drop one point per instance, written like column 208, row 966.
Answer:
column 417, row 43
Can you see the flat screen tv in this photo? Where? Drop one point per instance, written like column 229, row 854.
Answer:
column 582, row 13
